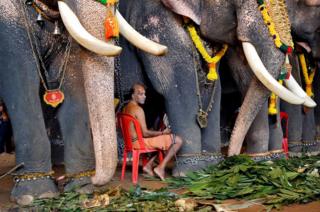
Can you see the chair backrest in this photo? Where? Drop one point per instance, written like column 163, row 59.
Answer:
column 124, row 121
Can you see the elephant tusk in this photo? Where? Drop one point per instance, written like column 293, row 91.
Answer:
column 80, row 34
column 265, row 77
column 292, row 84
column 312, row 3
column 139, row 40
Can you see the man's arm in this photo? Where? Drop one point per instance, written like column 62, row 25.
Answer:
column 142, row 120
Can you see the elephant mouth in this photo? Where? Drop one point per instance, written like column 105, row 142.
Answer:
column 84, row 38
column 295, row 95
column 312, row 3
column 44, row 8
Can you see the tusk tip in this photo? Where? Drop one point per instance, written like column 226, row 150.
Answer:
column 162, row 51
column 116, row 52
column 309, row 102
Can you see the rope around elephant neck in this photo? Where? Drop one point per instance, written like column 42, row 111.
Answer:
column 37, row 55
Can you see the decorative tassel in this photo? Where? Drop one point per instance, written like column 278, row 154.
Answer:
column 212, row 75
column 288, row 67
column 111, row 26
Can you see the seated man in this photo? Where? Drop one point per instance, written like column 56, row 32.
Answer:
column 163, row 140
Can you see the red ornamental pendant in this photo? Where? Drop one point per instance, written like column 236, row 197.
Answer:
column 53, row 97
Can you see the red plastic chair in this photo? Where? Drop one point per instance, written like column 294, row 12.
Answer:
column 285, row 147
column 124, row 121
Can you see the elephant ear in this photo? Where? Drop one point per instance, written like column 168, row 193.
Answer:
column 312, row 2
column 187, row 8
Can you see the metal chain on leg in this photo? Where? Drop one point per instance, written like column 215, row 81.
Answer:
column 117, row 79
column 117, row 75
column 117, row 72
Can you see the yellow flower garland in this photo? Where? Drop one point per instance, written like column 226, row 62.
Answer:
column 212, row 61
column 273, row 102
column 308, row 79
column 271, row 27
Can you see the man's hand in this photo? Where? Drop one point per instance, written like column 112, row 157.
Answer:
column 166, row 131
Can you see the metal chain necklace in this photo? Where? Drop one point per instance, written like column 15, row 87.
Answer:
column 52, row 97
column 202, row 115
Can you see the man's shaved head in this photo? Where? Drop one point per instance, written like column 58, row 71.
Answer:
column 138, row 93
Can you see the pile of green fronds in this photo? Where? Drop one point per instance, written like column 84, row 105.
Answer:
column 278, row 182
column 136, row 199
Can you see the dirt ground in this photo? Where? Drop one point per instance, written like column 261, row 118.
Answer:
column 7, row 161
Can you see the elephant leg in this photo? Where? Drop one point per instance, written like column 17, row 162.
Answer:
column 316, row 91
column 183, row 123
column 75, row 127
column 257, row 138
column 309, row 133
column 210, row 136
column 19, row 87
column 275, row 137
column 294, row 127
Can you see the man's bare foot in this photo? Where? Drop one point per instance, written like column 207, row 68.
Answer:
column 159, row 172
column 148, row 170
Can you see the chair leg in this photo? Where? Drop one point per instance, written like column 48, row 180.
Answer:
column 124, row 163
column 285, row 146
column 135, row 166
column 160, row 156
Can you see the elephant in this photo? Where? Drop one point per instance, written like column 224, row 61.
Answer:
column 87, row 113
column 302, row 124
column 174, row 77
column 237, row 23
column 305, row 28
column 247, row 27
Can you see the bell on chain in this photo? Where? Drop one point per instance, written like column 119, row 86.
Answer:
column 29, row 2
column 40, row 20
column 56, row 30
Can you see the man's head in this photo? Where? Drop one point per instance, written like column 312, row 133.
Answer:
column 138, row 93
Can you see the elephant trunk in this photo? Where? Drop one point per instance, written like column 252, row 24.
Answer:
column 99, row 86
column 98, row 74
column 256, row 96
